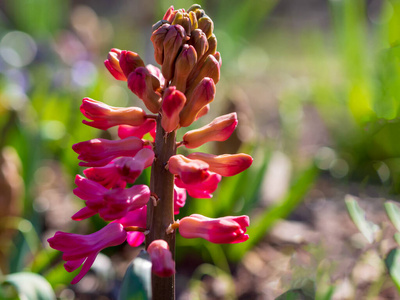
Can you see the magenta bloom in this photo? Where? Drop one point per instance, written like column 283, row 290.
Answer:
column 203, row 189
column 110, row 204
column 162, row 263
column 83, row 249
column 149, row 126
column 226, row 164
column 108, row 176
column 122, row 170
column 190, row 171
column 135, row 217
column 225, row 230
column 104, row 116
column 99, row 152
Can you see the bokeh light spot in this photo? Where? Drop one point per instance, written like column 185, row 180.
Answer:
column 18, row 49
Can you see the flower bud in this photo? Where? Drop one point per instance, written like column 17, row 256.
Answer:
column 203, row 112
column 206, row 25
column 183, row 19
column 212, row 48
column 112, row 64
column 189, row 170
column 212, row 45
column 199, row 41
column 129, row 61
column 217, row 56
column 169, row 14
column 104, row 116
column 193, row 20
column 196, row 8
column 184, row 65
column 220, row 129
column 99, row 152
column 225, row 230
column 202, row 95
column 157, row 38
column 210, row 68
column 173, row 42
column 226, row 164
column 149, row 126
column 172, row 105
column 156, row 72
column 161, row 258
column 144, row 85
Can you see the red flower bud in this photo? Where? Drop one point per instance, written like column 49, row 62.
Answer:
column 202, row 95
column 172, row 105
column 129, row 61
column 225, row 230
column 199, row 41
column 157, row 38
column 184, row 65
column 173, row 42
column 112, row 64
column 226, row 164
column 220, row 129
column 162, row 263
column 144, row 85
column 189, row 170
column 105, row 116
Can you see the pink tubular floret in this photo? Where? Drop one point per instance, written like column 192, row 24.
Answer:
column 225, row 230
column 83, row 249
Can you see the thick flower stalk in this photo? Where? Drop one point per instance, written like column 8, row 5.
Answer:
column 177, row 94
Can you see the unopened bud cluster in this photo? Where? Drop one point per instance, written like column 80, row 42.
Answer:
column 177, row 94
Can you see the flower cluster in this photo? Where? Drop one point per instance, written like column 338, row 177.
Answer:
column 176, row 95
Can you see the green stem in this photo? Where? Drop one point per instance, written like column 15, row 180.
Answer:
column 159, row 217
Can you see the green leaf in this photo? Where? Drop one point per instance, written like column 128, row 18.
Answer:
column 392, row 263
column 29, row 286
column 357, row 214
column 295, row 294
column 397, row 237
column 136, row 284
column 393, row 212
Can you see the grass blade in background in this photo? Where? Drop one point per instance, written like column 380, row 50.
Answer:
column 357, row 214
column 392, row 263
column 393, row 212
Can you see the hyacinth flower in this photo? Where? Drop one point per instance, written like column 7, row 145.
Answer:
column 176, row 95
column 80, row 249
